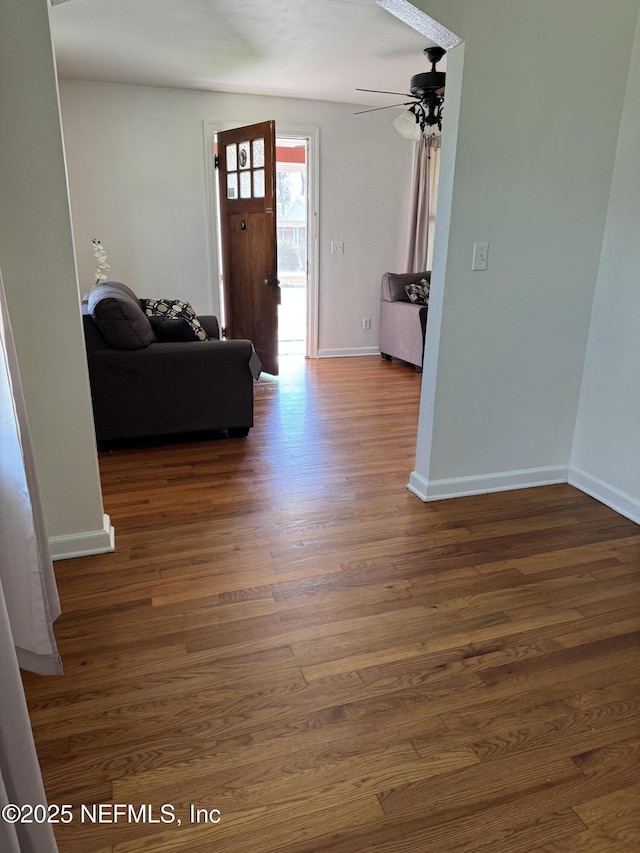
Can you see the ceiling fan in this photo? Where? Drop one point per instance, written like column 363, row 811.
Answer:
column 427, row 93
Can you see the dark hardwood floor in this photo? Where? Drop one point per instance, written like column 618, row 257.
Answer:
column 285, row 634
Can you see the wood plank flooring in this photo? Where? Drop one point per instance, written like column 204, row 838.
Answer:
column 288, row 636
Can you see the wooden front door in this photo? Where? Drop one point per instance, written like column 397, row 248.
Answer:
column 247, row 183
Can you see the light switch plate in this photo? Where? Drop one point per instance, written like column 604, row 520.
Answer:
column 480, row 256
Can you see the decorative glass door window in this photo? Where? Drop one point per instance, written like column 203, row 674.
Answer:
column 245, row 170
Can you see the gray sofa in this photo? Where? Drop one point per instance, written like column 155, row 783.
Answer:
column 402, row 323
column 154, row 379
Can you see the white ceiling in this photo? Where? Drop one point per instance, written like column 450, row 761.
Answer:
column 318, row 49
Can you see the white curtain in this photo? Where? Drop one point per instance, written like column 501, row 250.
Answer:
column 424, row 196
column 28, row 606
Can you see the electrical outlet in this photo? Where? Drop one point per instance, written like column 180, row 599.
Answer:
column 337, row 247
column 366, row 323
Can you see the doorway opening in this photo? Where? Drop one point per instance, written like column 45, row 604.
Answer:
column 292, row 215
column 297, row 158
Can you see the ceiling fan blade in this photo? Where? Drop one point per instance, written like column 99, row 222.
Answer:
column 375, row 109
column 382, row 92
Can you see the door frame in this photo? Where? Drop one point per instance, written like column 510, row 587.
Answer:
column 311, row 135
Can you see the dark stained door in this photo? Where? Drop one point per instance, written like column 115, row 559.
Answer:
column 247, row 183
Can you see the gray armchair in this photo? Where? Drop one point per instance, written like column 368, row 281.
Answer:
column 402, row 323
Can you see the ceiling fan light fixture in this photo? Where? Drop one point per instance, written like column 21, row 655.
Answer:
column 407, row 125
column 427, row 90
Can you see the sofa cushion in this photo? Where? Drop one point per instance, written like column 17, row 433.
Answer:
column 418, row 293
column 172, row 329
column 116, row 310
column 175, row 308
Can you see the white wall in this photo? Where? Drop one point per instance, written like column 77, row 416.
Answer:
column 38, row 266
column 531, row 173
column 138, row 182
column 606, row 453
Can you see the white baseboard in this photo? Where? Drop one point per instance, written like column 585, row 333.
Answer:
column 626, row 504
column 436, row 490
column 348, row 352
column 83, row 544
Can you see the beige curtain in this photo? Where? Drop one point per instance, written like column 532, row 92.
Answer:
column 28, row 605
column 424, row 196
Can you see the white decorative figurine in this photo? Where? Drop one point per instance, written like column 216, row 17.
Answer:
column 102, row 267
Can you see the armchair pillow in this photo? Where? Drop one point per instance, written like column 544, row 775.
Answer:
column 418, row 293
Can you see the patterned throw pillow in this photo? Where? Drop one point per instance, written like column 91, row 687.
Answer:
column 175, row 308
column 418, row 293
